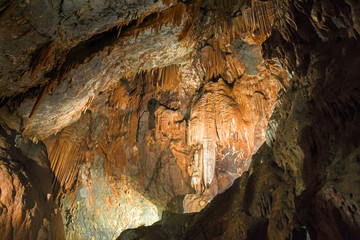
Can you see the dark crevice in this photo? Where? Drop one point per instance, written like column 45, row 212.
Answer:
column 261, row 93
column 7, row 8
column 168, row 108
column 61, row 11
column 138, row 126
column 152, row 106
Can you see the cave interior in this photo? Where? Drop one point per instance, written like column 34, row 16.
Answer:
column 180, row 119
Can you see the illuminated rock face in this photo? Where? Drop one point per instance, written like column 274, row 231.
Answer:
column 303, row 182
column 101, row 208
column 163, row 104
column 160, row 105
column 27, row 206
column 141, row 131
column 225, row 129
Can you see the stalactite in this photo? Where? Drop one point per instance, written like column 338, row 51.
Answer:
column 217, row 63
column 65, row 152
column 140, row 20
column 202, row 132
column 178, row 13
column 160, row 79
column 65, row 157
column 42, row 59
column 192, row 13
column 38, row 101
column 173, row 14
column 260, row 15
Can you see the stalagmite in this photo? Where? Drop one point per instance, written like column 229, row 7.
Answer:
column 197, row 177
column 209, row 158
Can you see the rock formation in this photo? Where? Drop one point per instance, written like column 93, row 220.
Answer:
column 302, row 183
column 27, row 206
column 113, row 113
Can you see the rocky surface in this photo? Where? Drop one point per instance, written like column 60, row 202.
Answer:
column 101, row 67
column 36, row 35
column 303, row 182
column 150, row 145
column 102, row 209
column 27, row 206
column 151, row 111
column 158, row 106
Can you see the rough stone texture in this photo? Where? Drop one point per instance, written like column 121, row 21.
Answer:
column 27, row 27
column 85, row 49
column 174, row 98
column 102, row 209
column 147, row 143
column 149, row 50
column 144, row 79
column 238, row 213
column 304, row 184
column 27, row 207
column 143, row 94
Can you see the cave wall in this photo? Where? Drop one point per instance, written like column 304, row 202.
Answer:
column 303, row 182
column 170, row 100
column 27, row 204
column 102, row 209
column 149, row 145
column 133, row 110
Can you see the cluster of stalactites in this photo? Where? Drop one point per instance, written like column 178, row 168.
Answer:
column 256, row 17
column 259, row 16
column 175, row 14
column 65, row 158
column 215, row 121
column 160, row 79
column 66, row 153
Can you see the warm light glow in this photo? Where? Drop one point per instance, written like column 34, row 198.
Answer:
column 103, row 208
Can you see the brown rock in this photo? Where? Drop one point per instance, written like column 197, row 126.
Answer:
column 25, row 182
